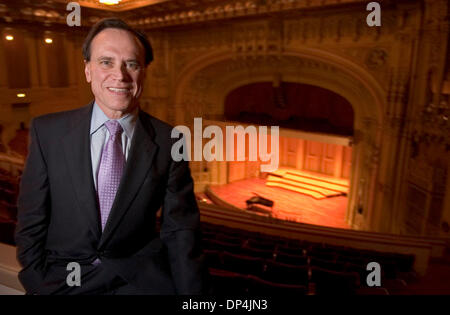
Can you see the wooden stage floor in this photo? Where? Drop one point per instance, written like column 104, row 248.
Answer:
column 288, row 205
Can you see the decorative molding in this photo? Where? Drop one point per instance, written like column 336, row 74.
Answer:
column 376, row 58
column 163, row 13
column 123, row 5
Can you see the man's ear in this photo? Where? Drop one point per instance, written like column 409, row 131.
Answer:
column 87, row 70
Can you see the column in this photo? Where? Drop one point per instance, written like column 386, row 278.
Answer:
column 42, row 65
column 71, row 60
column 31, row 42
column 3, row 73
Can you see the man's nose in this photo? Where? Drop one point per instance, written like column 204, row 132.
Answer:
column 121, row 73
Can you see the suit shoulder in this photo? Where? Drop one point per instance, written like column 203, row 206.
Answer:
column 161, row 128
column 59, row 119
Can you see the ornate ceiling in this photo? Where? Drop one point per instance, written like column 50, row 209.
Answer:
column 160, row 13
column 123, row 5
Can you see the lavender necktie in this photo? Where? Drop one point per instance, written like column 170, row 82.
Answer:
column 110, row 171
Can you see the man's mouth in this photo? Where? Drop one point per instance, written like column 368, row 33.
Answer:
column 119, row 90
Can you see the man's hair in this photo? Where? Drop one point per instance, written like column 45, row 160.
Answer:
column 118, row 24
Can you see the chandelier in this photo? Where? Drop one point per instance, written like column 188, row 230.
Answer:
column 109, row 2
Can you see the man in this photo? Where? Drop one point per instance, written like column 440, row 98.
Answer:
column 94, row 180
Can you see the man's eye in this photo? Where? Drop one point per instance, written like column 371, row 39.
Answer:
column 133, row 65
column 105, row 62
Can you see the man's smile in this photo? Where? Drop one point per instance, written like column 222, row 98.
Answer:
column 120, row 91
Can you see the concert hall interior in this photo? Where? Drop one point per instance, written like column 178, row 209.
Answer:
column 357, row 171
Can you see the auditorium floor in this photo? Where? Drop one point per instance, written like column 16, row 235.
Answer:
column 288, row 205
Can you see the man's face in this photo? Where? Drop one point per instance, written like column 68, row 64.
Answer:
column 116, row 71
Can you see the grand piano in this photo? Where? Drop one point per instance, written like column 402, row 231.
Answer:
column 258, row 200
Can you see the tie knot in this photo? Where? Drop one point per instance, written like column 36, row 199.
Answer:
column 114, row 128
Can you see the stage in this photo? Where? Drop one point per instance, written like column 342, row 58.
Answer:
column 288, row 204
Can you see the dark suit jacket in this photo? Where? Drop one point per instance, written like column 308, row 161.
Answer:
column 58, row 216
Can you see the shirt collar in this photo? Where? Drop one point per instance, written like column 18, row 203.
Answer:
column 128, row 122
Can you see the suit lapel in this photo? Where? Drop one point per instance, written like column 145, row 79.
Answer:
column 140, row 159
column 76, row 145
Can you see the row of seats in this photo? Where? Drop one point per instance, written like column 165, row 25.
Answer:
column 293, row 262
column 319, row 282
column 9, row 188
column 284, row 274
column 8, row 196
column 297, row 247
column 265, row 269
column 331, row 259
column 224, row 283
column 8, row 211
column 4, row 172
column 247, row 248
column 9, row 183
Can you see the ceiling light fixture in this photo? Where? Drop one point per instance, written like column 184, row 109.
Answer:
column 9, row 37
column 109, row 2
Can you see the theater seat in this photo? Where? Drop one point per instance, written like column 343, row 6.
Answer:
column 231, row 239
column 257, row 286
column 322, row 253
column 213, row 244
column 297, row 260
column 326, row 264
column 329, row 282
column 297, row 250
column 286, row 274
column 260, row 253
column 260, row 245
column 228, row 283
column 213, row 259
column 242, row 264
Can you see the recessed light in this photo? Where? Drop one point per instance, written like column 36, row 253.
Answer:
column 48, row 40
column 21, row 95
column 9, row 37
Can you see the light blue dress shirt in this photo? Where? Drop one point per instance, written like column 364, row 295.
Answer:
column 100, row 134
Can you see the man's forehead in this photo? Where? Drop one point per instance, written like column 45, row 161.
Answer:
column 112, row 39
column 111, row 51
